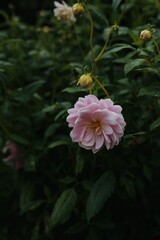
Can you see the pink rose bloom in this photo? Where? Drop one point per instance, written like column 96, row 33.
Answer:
column 96, row 123
column 12, row 155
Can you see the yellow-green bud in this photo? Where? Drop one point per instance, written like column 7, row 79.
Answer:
column 45, row 29
column 42, row 13
column 85, row 80
column 145, row 35
column 78, row 9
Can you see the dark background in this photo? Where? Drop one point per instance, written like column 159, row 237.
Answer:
column 27, row 10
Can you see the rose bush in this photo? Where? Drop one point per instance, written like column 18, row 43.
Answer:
column 62, row 190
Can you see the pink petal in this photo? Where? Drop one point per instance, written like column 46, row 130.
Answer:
column 106, row 138
column 117, row 128
column 77, row 133
column 99, row 141
column 116, row 109
column 89, row 136
column 110, row 119
column 99, row 115
column 107, row 129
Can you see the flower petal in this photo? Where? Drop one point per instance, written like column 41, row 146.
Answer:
column 107, row 129
column 99, row 141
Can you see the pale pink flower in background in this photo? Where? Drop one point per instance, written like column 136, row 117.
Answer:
column 13, row 155
column 96, row 123
column 63, row 12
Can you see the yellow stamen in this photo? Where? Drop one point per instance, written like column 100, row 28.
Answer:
column 96, row 127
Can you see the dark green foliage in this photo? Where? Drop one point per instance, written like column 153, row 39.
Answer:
column 63, row 191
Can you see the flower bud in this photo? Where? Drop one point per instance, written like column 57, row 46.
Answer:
column 42, row 13
column 78, row 9
column 45, row 29
column 145, row 35
column 85, row 80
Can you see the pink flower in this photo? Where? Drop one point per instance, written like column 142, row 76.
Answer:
column 12, row 155
column 96, row 123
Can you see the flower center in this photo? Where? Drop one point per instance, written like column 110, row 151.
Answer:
column 96, row 126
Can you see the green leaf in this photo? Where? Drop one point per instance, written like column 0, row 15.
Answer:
column 128, row 183
column 116, row 49
column 51, row 130
column 116, row 3
column 63, row 207
column 30, row 206
column 98, row 13
column 132, row 135
column 77, row 228
column 30, row 164
column 150, row 70
column 100, row 192
column 68, row 180
column 61, row 115
column 87, row 185
column 130, row 188
column 79, row 162
column 57, row 143
column 26, row 195
column 19, row 139
column 75, row 66
column 122, row 30
column 24, row 95
column 133, row 64
column 119, row 48
column 147, row 172
column 149, row 91
column 50, row 108
column 33, row 87
column 4, row 64
column 155, row 124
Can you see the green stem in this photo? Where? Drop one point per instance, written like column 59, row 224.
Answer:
column 78, row 41
column 101, row 86
column 91, row 32
column 155, row 43
column 4, row 129
column 90, row 90
column 104, row 47
column 123, row 11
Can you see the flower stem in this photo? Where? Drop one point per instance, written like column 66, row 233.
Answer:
column 156, row 45
column 90, row 89
column 78, row 41
column 101, row 86
column 104, row 47
column 91, row 32
column 4, row 129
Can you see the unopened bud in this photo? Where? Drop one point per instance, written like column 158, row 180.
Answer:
column 145, row 35
column 42, row 13
column 85, row 80
column 78, row 9
column 45, row 29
